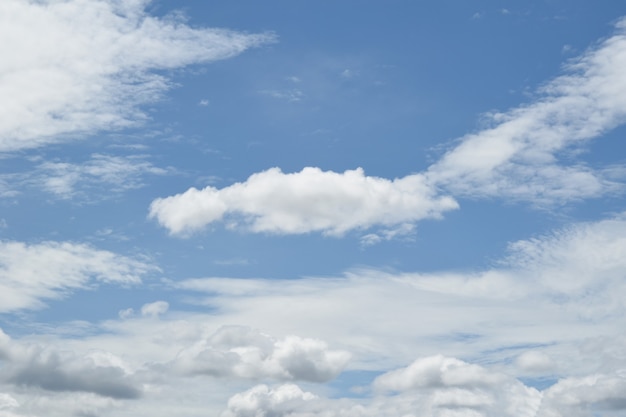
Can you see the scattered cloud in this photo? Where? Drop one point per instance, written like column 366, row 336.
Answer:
column 84, row 181
column 302, row 202
column 64, row 76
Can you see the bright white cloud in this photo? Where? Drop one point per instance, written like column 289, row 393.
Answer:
column 518, row 158
column 302, row 202
column 61, row 76
column 521, row 157
column 246, row 353
column 30, row 274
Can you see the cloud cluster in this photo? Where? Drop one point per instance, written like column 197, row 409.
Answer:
column 302, row 202
column 443, row 387
column 30, row 274
column 64, row 76
column 242, row 352
column 431, row 386
column 521, row 158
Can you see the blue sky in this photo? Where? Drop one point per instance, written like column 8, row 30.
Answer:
column 298, row 209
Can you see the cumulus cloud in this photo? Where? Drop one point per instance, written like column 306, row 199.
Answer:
column 30, row 274
column 63, row 76
column 581, row 396
column 302, row 202
column 243, row 352
column 431, row 386
column 262, row 400
column 521, row 156
column 53, row 370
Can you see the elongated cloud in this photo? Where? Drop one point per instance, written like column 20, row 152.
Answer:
column 546, row 293
column 519, row 158
column 30, row 274
column 302, row 202
column 61, row 76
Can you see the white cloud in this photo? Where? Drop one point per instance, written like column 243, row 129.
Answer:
column 301, row 202
column 64, row 76
column 535, row 362
column 120, row 173
column 578, row 396
column 152, row 309
column 548, row 292
column 452, row 388
column 262, row 400
column 242, row 352
column 521, row 157
column 53, row 370
column 30, row 274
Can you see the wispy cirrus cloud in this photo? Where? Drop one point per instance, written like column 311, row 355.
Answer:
column 524, row 155
column 63, row 76
column 33, row 273
column 82, row 181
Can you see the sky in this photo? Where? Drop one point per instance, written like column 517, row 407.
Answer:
column 312, row 208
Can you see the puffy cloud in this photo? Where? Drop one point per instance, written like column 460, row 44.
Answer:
column 519, row 156
column 53, row 370
column 437, row 386
column 30, row 274
column 246, row 353
column 581, row 396
column 262, row 401
column 302, row 202
column 63, row 76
